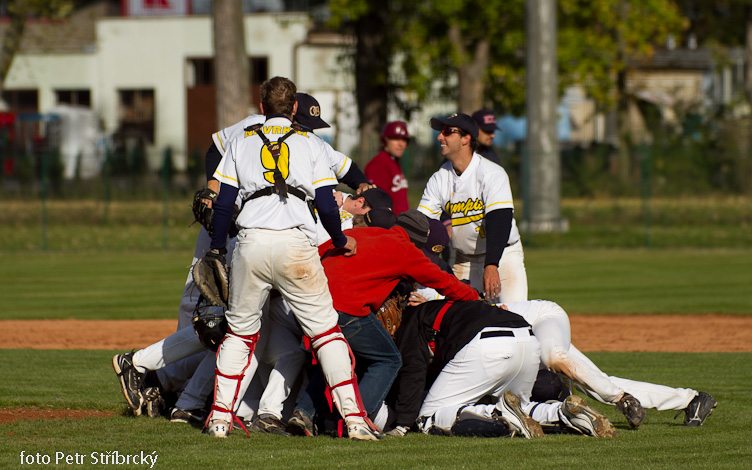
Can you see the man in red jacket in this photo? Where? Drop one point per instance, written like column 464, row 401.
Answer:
column 384, row 169
column 385, row 256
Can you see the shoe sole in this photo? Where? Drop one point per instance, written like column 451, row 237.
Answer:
column 268, row 430
column 297, row 427
column 637, row 417
column 519, row 421
column 599, row 425
column 362, row 435
column 123, row 388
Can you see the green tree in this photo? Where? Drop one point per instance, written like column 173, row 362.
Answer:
column 19, row 12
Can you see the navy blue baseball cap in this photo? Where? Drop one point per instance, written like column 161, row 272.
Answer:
column 377, row 198
column 380, row 217
column 309, row 112
column 458, row 120
column 486, row 120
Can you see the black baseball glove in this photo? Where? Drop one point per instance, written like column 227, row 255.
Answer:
column 203, row 212
column 211, row 277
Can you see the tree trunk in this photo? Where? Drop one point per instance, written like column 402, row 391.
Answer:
column 18, row 10
column 471, row 72
column 231, row 70
column 624, row 164
column 372, row 61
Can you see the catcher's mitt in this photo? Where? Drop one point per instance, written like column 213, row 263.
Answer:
column 211, row 277
column 202, row 211
column 390, row 314
column 209, row 323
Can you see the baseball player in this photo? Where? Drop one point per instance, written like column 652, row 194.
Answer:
column 475, row 192
column 390, row 255
column 277, row 172
column 479, row 350
column 486, row 121
column 552, row 328
column 384, row 169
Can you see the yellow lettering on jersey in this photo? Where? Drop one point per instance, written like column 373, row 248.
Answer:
column 249, row 133
column 464, row 207
column 466, row 220
column 268, row 161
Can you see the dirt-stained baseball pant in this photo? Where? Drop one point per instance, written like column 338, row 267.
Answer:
column 551, row 326
column 511, row 272
column 487, row 365
column 284, row 260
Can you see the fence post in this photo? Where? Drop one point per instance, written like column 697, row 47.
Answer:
column 45, row 182
column 167, row 155
column 645, row 190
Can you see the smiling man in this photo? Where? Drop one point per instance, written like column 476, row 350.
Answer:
column 475, row 192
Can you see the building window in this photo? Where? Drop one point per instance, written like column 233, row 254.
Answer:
column 74, row 97
column 201, row 72
column 136, row 113
column 259, row 70
column 22, row 101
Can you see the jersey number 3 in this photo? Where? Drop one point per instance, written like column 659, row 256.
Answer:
column 268, row 161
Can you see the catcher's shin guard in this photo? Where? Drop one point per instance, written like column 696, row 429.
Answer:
column 338, row 365
column 234, row 357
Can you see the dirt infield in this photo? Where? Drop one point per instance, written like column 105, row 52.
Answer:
column 664, row 333
column 660, row 333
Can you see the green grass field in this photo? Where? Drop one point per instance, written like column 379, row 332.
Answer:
column 116, row 267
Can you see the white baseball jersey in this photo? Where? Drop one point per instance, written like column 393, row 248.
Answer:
column 248, row 165
column 223, row 138
column 467, row 198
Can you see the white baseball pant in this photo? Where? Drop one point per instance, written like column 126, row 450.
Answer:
column 287, row 261
column 485, row 366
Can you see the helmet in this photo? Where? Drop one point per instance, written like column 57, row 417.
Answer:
column 394, row 130
column 210, row 324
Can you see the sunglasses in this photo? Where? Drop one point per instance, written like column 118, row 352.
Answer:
column 447, row 131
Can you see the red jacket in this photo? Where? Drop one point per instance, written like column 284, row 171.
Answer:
column 384, row 171
column 360, row 284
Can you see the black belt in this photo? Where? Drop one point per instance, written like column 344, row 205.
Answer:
column 269, row 190
column 497, row 333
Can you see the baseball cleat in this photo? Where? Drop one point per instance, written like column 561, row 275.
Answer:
column 698, row 409
column 301, row 425
column 399, row 431
column 268, row 424
column 581, row 417
column 154, row 404
column 508, row 407
column 218, row 428
column 188, row 416
column 359, row 431
column 130, row 380
column 632, row 409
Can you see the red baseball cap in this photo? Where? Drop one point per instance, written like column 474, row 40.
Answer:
column 395, row 130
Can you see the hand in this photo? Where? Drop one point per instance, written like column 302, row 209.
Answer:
column 491, row 282
column 338, row 198
column 416, row 299
column 364, row 186
column 351, row 247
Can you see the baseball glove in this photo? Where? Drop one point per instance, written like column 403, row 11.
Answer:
column 202, row 211
column 390, row 314
column 211, row 277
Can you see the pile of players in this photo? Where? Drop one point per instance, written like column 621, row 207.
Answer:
column 299, row 348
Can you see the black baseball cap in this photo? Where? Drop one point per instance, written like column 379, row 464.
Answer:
column 380, row 217
column 459, row 120
column 309, row 112
column 377, row 198
column 486, row 120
